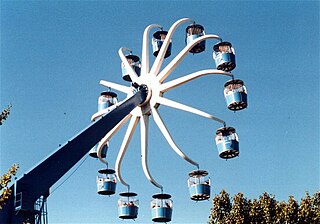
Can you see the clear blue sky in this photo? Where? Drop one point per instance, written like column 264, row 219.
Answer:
column 53, row 55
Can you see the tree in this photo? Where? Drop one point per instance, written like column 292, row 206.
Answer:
column 264, row 210
column 4, row 114
column 6, row 178
column 4, row 181
column 221, row 209
column 306, row 213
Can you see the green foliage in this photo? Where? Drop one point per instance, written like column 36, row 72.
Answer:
column 5, row 179
column 4, row 114
column 265, row 210
column 221, row 209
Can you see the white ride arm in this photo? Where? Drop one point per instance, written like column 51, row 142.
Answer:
column 109, row 135
column 145, row 49
column 166, row 134
column 179, row 81
column 173, row 104
column 131, row 128
column 104, row 111
column 130, row 70
column 121, row 88
column 144, row 121
column 173, row 64
column 159, row 59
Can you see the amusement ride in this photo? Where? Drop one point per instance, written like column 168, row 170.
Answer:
column 138, row 73
column 145, row 94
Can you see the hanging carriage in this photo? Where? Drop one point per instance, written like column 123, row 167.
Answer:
column 194, row 31
column 224, row 56
column 235, row 94
column 93, row 152
column 107, row 99
column 161, row 207
column 227, row 142
column 199, row 185
column 134, row 62
column 128, row 205
column 106, row 182
column 157, row 41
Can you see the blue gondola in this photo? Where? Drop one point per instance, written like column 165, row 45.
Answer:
column 227, row 142
column 199, row 185
column 128, row 205
column 134, row 61
column 224, row 56
column 106, row 182
column 194, row 31
column 235, row 94
column 157, row 41
column 106, row 99
column 161, row 207
column 93, row 151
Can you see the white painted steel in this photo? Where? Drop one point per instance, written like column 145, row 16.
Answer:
column 121, row 88
column 166, row 134
column 130, row 130
column 145, row 49
column 133, row 75
column 187, row 78
column 109, row 135
column 159, row 59
column 173, row 104
column 173, row 64
column 144, row 123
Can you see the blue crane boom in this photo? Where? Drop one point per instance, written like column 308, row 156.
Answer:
column 37, row 182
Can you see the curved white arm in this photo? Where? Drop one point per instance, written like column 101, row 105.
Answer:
column 104, row 111
column 173, row 104
column 99, row 150
column 144, row 121
column 159, row 59
column 173, row 64
column 109, row 135
column 133, row 75
column 179, row 81
column 121, row 88
column 145, row 49
column 166, row 134
column 130, row 130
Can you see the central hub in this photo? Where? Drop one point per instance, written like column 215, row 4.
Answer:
column 148, row 92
